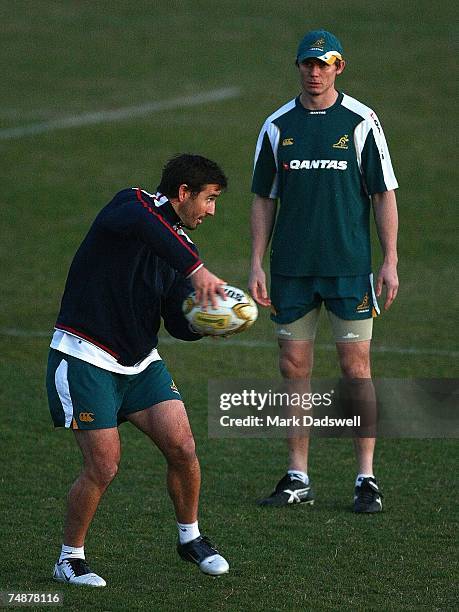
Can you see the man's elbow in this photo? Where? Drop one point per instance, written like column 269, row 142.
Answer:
column 182, row 331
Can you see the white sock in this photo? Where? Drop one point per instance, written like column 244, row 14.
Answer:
column 299, row 475
column 71, row 552
column 360, row 477
column 188, row 532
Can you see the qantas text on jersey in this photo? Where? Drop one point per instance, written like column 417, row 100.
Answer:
column 313, row 164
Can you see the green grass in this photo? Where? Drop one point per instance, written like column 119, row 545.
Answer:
column 65, row 58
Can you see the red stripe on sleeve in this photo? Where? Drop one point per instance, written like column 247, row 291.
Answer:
column 164, row 222
column 193, row 267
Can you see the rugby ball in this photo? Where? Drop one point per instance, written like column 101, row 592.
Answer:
column 231, row 316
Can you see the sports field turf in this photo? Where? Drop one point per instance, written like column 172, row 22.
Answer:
column 66, row 59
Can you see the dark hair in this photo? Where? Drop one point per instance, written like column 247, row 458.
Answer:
column 193, row 170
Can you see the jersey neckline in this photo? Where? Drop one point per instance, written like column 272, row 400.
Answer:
column 322, row 111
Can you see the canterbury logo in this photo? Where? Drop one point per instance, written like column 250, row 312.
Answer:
column 342, row 142
column 174, row 389
column 287, row 141
column 86, row 417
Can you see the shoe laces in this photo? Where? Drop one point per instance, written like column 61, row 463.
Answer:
column 78, row 566
column 207, row 543
column 286, row 482
column 368, row 491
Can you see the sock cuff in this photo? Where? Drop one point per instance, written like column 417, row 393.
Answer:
column 71, row 552
column 299, row 475
column 360, row 477
column 188, row 532
column 187, row 525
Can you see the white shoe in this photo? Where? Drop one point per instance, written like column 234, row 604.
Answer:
column 214, row 565
column 202, row 552
column 76, row 571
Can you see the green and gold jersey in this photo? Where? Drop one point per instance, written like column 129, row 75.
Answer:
column 323, row 166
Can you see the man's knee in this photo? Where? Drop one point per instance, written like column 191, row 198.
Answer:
column 101, row 454
column 355, row 368
column 354, row 359
column 292, row 365
column 181, row 451
column 102, row 471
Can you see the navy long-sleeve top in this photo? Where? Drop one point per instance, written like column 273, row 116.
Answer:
column 132, row 268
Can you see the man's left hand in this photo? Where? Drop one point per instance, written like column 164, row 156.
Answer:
column 387, row 276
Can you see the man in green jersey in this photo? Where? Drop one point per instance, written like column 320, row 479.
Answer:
column 324, row 157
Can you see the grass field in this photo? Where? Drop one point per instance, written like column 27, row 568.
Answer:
column 66, row 59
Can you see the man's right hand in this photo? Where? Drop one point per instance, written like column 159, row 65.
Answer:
column 257, row 287
column 207, row 287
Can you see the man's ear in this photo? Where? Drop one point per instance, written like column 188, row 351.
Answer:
column 340, row 68
column 183, row 192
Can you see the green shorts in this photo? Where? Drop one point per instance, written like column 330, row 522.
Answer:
column 83, row 396
column 351, row 298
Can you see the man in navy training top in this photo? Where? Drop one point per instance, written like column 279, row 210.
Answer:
column 135, row 266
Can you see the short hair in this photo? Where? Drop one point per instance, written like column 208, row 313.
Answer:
column 193, row 170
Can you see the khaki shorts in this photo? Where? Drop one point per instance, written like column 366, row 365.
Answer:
column 350, row 302
column 343, row 331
